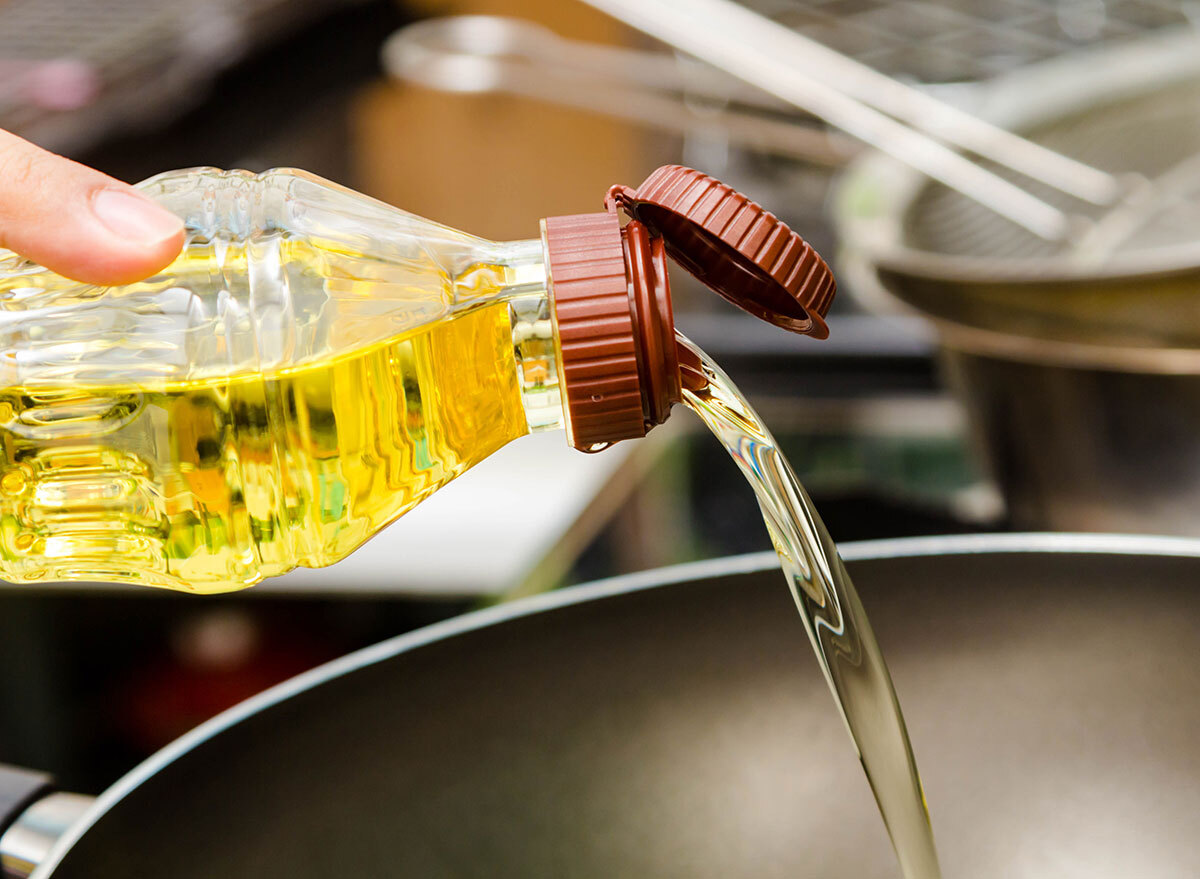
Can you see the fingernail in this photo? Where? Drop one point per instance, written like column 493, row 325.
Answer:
column 133, row 217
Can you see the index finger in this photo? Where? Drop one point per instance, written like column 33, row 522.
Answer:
column 79, row 222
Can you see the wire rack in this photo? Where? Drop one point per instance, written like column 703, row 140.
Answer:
column 1156, row 134
column 940, row 41
column 949, row 43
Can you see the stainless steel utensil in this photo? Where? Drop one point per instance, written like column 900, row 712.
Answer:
column 480, row 54
column 1082, row 377
column 845, row 92
column 485, row 53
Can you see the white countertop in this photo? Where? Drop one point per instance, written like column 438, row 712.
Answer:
column 484, row 532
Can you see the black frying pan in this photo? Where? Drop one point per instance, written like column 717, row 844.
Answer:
column 674, row 724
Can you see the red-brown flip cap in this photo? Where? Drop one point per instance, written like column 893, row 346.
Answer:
column 612, row 302
column 614, row 327
column 736, row 247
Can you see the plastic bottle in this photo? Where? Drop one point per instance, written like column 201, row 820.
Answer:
column 315, row 363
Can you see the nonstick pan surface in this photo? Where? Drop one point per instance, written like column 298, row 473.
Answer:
column 675, row 724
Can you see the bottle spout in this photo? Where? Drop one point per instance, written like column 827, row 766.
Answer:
column 611, row 295
column 611, row 309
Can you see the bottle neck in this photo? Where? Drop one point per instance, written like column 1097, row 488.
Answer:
column 525, row 289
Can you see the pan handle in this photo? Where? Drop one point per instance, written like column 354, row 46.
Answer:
column 33, row 815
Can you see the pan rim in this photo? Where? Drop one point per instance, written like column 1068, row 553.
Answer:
column 1014, row 543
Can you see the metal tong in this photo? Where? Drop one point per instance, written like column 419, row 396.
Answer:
column 773, row 69
column 483, row 54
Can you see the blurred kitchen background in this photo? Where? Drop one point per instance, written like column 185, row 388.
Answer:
column 897, row 426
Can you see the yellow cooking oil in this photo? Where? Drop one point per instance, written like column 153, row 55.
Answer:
column 834, row 618
column 212, row 484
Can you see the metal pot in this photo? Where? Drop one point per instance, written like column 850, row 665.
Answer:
column 675, row 724
column 1081, row 372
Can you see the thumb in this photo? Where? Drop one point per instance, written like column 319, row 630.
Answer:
column 78, row 222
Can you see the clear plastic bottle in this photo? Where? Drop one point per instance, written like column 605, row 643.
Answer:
column 314, row 364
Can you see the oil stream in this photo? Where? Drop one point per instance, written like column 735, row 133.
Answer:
column 834, row 617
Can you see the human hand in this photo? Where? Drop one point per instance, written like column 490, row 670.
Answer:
column 78, row 222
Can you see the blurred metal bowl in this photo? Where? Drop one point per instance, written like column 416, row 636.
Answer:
column 1080, row 369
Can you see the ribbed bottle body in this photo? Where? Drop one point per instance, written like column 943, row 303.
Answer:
column 312, row 366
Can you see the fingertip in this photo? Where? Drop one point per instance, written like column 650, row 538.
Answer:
column 78, row 222
column 158, row 256
column 128, row 239
column 111, row 268
column 132, row 217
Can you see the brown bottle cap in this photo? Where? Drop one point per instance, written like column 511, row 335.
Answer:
column 738, row 248
column 611, row 298
column 614, row 327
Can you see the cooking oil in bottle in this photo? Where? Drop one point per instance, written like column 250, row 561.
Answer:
column 833, row 615
column 311, row 366
column 218, row 482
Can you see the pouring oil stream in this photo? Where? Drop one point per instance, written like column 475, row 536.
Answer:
column 833, row 615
